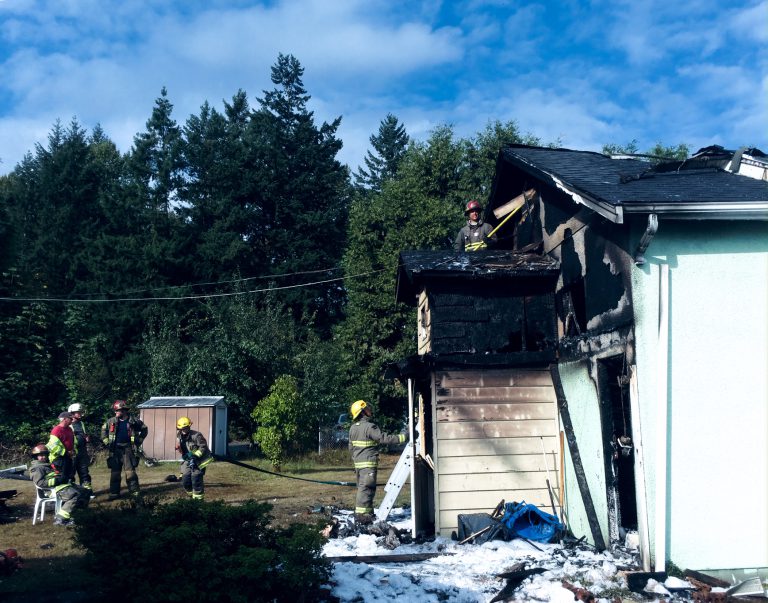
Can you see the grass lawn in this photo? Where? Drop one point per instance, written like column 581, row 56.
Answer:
column 50, row 557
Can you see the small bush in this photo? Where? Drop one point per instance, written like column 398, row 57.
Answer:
column 191, row 551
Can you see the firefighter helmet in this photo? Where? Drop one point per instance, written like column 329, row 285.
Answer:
column 120, row 405
column 183, row 422
column 76, row 407
column 39, row 449
column 357, row 408
column 473, row 206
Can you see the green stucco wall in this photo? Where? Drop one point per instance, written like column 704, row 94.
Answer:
column 584, row 408
column 717, row 496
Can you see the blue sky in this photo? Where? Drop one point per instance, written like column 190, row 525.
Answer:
column 585, row 73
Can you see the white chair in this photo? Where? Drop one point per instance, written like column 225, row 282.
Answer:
column 43, row 497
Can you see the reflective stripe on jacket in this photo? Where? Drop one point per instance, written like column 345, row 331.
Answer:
column 197, row 446
column 364, row 440
column 57, row 443
column 44, row 477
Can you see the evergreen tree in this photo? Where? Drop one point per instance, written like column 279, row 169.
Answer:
column 389, row 147
column 156, row 177
column 304, row 193
column 221, row 201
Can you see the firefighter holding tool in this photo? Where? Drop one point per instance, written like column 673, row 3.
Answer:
column 195, row 457
column 364, row 440
column 476, row 234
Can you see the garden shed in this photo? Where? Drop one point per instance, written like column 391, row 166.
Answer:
column 208, row 415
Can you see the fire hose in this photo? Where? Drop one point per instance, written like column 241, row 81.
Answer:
column 226, row 459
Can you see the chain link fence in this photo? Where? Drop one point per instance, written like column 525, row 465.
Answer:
column 335, row 437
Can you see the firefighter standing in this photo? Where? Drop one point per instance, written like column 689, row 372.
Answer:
column 364, row 439
column 476, row 233
column 62, row 446
column 123, row 435
column 82, row 460
column 45, row 476
column 195, row 457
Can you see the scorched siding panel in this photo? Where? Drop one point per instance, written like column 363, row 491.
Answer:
column 489, row 429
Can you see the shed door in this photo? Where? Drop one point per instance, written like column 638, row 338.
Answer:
column 219, row 439
column 494, row 432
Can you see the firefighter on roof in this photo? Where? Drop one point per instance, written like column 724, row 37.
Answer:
column 476, row 234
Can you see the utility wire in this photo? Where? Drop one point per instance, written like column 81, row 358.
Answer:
column 185, row 297
column 237, row 280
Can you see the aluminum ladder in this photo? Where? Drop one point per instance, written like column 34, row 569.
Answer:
column 397, row 479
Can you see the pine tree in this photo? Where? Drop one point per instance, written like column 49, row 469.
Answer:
column 389, row 147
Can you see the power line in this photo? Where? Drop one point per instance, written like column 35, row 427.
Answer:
column 185, row 297
column 237, row 280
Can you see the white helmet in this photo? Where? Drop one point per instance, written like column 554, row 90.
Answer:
column 76, row 407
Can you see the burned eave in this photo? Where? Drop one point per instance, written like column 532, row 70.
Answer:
column 420, row 267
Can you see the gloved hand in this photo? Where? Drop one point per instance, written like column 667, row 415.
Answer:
column 186, row 456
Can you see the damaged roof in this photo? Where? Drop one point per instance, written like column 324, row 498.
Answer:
column 418, row 266
column 699, row 187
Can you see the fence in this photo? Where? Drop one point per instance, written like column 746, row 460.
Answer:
column 332, row 438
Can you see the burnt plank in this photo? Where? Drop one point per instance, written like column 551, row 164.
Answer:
column 494, row 412
column 495, row 429
column 494, row 378
column 495, row 446
column 496, row 394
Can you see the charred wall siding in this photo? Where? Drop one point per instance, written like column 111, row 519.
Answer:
column 489, row 426
column 488, row 318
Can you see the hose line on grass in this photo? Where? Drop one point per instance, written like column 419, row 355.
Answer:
column 304, row 479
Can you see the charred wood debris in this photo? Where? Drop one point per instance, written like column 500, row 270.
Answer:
column 640, row 586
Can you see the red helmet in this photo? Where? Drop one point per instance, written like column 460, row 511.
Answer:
column 120, row 405
column 473, row 206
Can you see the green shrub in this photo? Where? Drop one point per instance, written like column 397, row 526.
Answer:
column 199, row 551
column 278, row 417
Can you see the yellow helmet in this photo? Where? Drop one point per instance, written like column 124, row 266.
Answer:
column 183, row 422
column 357, row 408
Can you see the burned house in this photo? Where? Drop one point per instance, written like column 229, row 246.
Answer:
column 660, row 318
column 480, row 384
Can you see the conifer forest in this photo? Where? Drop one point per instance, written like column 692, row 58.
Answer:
column 226, row 253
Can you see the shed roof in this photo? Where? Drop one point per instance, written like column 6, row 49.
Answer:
column 418, row 266
column 182, row 401
column 693, row 188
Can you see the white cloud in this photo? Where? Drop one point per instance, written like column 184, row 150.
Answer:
column 608, row 72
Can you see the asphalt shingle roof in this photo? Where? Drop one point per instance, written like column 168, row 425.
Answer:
column 628, row 181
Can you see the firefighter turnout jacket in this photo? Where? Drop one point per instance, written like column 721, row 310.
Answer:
column 364, row 439
column 43, row 476
column 194, row 444
column 137, row 431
